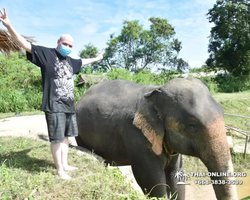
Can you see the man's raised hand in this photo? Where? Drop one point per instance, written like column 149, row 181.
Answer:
column 4, row 18
column 100, row 56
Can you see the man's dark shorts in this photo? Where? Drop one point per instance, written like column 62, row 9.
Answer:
column 61, row 125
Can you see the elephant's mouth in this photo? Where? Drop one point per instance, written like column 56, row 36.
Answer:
column 166, row 147
column 172, row 146
column 168, row 151
column 193, row 149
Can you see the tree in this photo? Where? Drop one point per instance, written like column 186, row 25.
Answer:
column 229, row 44
column 136, row 49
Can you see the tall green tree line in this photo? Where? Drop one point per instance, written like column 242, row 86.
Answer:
column 136, row 48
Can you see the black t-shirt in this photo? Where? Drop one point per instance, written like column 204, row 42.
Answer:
column 57, row 76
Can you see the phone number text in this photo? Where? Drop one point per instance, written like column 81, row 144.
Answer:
column 218, row 182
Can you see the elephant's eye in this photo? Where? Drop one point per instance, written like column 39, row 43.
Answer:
column 192, row 128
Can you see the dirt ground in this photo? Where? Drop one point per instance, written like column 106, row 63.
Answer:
column 35, row 127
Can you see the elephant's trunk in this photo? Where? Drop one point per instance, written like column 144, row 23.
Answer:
column 216, row 156
column 227, row 190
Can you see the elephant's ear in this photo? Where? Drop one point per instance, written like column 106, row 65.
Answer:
column 148, row 121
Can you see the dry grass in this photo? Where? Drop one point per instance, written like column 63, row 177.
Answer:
column 7, row 43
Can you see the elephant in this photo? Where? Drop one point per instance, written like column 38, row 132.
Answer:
column 150, row 127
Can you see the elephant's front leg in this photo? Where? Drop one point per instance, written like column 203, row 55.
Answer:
column 149, row 174
column 173, row 167
column 147, row 164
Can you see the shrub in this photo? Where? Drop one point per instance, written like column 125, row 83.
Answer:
column 119, row 74
column 211, row 83
column 21, row 84
column 228, row 83
column 12, row 101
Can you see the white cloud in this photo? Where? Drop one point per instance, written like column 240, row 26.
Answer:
column 90, row 29
column 196, row 63
column 111, row 30
column 206, row 2
column 184, row 22
column 157, row 5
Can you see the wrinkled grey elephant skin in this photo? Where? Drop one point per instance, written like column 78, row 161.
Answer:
column 149, row 127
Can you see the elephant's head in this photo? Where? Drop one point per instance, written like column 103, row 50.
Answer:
column 184, row 116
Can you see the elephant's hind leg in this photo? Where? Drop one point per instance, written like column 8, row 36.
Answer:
column 79, row 141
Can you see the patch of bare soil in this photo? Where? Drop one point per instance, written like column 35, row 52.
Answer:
column 35, row 127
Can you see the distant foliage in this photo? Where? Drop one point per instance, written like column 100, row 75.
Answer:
column 21, row 82
column 228, row 83
column 229, row 43
column 144, row 77
column 20, row 85
column 210, row 82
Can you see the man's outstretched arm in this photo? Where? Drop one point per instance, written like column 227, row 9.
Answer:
column 91, row 60
column 20, row 40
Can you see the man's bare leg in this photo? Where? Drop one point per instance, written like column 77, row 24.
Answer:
column 56, row 150
column 65, row 150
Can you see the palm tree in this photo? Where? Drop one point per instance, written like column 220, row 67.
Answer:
column 178, row 175
column 185, row 176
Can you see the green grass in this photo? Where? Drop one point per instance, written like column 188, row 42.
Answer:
column 232, row 96
column 238, row 104
column 27, row 171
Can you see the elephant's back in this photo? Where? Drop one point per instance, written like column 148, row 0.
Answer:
column 114, row 88
column 110, row 95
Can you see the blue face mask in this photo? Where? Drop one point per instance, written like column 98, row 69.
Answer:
column 64, row 50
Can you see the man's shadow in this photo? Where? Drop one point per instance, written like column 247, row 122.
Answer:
column 22, row 159
column 43, row 137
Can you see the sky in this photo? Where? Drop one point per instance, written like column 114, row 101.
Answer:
column 92, row 21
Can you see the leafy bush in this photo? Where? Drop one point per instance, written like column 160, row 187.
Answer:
column 79, row 91
column 12, row 101
column 225, row 83
column 116, row 73
column 228, row 83
column 21, row 84
column 144, row 77
column 211, row 83
column 147, row 78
